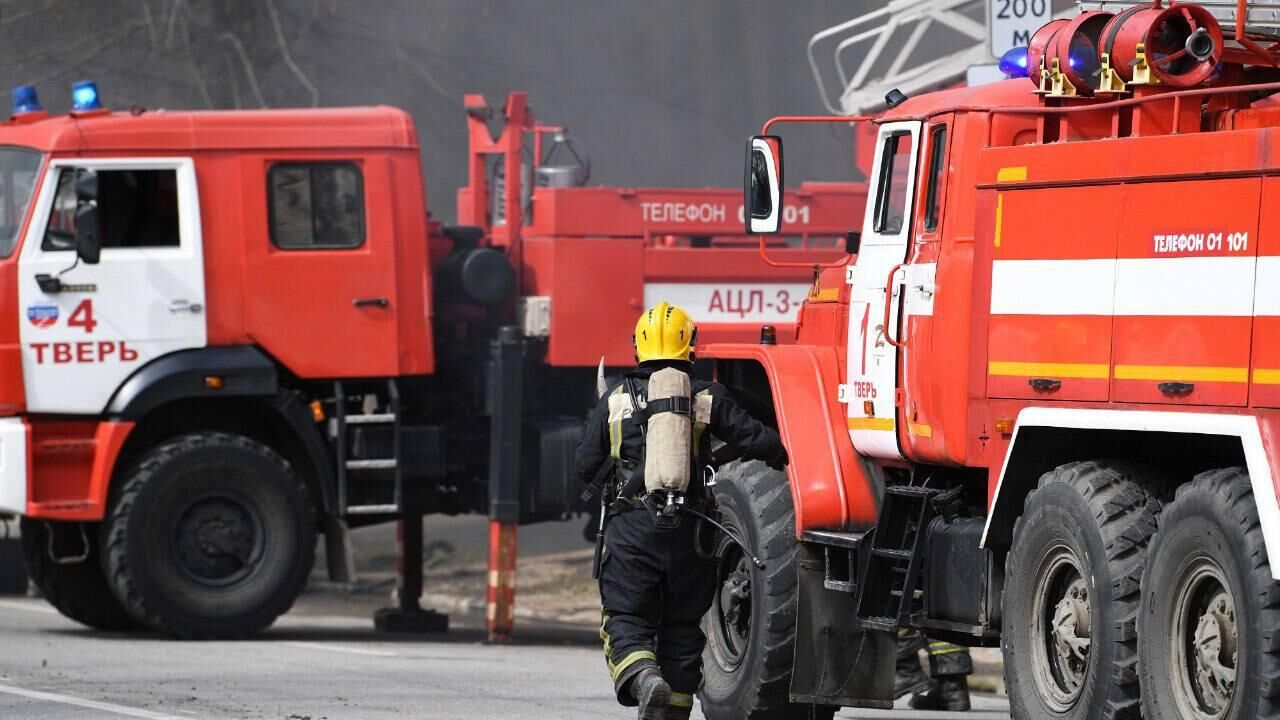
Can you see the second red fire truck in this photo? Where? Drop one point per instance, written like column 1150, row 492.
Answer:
column 226, row 332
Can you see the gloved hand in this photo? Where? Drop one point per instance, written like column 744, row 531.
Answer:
column 724, row 454
column 779, row 461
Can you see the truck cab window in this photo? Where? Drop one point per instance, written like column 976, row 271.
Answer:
column 136, row 208
column 316, row 205
column 891, row 188
column 18, row 170
column 937, row 161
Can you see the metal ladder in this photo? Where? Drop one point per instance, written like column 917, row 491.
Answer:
column 887, row 597
column 348, row 431
column 911, row 45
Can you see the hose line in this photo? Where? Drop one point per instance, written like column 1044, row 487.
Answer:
column 729, row 534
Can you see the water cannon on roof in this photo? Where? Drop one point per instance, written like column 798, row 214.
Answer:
column 1099, row 51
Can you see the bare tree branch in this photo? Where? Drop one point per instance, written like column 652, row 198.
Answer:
column 288, row 58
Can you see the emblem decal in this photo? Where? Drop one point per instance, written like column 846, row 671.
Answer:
column 43, row 316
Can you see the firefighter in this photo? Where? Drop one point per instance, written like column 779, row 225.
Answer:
column 947, row 685
column 654, row 585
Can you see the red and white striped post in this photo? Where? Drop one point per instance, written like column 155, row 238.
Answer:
column 500, row 603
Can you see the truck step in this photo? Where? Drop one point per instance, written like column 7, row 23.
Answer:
column 851, row 540
column 374, row 419
column 902, row 555
column 880, row 622
column 372, row 509
column 380, row 464
column 893, row 568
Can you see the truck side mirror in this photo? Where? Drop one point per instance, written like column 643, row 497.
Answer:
column 763, row 190
column 86, row 186
column 88, row 241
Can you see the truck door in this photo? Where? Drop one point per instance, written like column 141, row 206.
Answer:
column 143, row 299
column 923, row 370
column 875, row 300
column 321, row 287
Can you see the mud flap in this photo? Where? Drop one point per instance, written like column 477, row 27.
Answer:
column 13, row 571
column 836, row 662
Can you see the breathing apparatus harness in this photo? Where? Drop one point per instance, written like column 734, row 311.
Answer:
column 622, row 486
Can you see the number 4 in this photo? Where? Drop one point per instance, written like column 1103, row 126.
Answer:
column 82, row 316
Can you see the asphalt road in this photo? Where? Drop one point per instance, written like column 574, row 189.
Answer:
column 311, row 667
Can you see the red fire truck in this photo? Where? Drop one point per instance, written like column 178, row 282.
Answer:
column 228, row 331
column 1039, row 409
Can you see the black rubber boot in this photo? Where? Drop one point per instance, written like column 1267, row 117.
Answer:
column 652, row 693
column 950, row 692
column 678, row 713
column 908, row 676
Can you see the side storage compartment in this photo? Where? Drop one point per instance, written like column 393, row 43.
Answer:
column 1051, row 294
column 961, row 579
column 549, row 489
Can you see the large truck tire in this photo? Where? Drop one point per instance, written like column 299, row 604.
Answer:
column 1209, row 633
column 1071, row 602
column 210, row 536
column 78, row 591
column 751, row 627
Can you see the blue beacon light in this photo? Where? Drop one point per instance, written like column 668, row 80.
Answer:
column 1014, row 62
column 84, row 96
column 25, row 100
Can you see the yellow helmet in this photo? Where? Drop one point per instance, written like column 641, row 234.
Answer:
column 664, row 332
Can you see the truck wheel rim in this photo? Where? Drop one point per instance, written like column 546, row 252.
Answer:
column 1061, row 632
column 1204, row 642
column 731, row 614
column 219, row 539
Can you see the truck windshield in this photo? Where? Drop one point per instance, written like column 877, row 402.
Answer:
column 18, row 169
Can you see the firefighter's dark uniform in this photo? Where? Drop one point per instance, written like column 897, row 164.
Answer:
column 946, row 687
column 654, row 587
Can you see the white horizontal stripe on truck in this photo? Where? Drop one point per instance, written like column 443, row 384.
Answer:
column 1186, row 286
column 1053, row 287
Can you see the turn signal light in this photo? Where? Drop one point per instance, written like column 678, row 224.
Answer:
column 213, row 382
column 1004, row 426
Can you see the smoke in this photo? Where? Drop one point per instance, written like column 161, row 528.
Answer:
column 661, row 93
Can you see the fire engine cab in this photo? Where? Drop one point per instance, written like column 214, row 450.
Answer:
column 1039, row 409
column 225, row 332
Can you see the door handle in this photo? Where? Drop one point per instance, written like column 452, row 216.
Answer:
column 379, row 302
column 888, row 306
column 1176, row 389
column 52, row 285
column 178, row 306
column 1045, row 385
